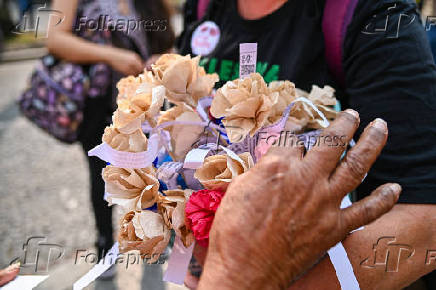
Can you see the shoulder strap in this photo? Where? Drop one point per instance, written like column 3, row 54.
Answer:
column 202, row 7
column 337, row 17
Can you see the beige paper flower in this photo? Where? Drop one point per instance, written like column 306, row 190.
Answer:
column 182, row 136
column 245, row 105
column 322, row 96
column 133, row 189
column 144, row 105
column 324, row 99
column 286, row 95
column 185, row 81
column 127, row 87
column 130, row 86
column 304, row 116
column 134, row 142
column 144, row 231
column 172, row 208
column 218, row 171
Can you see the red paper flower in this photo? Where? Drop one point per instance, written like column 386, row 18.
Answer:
column 200, row 212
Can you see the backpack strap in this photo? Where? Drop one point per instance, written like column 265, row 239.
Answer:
column 337, row 17
column 201, row 8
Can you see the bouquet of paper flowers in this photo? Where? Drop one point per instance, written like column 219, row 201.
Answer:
column 170, row 169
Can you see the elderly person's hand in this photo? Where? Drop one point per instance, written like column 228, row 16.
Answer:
column 280, row 217
column 9, row 274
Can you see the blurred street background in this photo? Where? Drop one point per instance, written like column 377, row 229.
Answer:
column 44, row 186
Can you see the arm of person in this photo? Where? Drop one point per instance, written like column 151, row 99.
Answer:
column 406, row 234
column 390, row 74
column 64, row 44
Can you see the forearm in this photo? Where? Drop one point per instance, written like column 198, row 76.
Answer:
column 67, row 46
column 74, row 49
column 410, row 227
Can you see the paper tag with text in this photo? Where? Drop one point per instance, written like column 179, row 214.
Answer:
column 247, row 59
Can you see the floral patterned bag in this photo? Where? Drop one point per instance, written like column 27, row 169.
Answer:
column 55, row 97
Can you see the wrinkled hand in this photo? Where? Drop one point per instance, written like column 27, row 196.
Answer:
column 9, row 274
column 279, row 218
column 126, row 62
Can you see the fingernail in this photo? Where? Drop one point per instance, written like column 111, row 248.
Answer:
column 395, row 187
column 379, row 124
column 352, row 113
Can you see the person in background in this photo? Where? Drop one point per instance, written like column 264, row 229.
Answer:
column 125, row 55
column 389, row 74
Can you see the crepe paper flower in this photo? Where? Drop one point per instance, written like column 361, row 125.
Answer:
column 322, row 96
column 133, row 189
column 145, row 232
column 134, row 142
column 172, row 208
column 131, row 85
column 200, row 212
column 185, row 81
column 245, row 105
column 286, row 95
column 323, row 99
column 145, row 105
column 218, row 171
column 182, row 136
column 127, row 87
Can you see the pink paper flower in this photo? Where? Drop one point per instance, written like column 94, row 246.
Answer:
column 200, row 212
